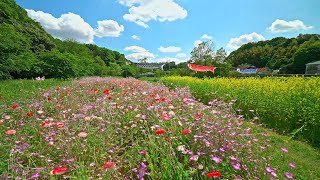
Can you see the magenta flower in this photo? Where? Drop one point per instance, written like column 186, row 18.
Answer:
column 292, row 165
column 216, row 159
column 142, row 171
column 289, row 175
column 284, row 150
column 236, row 165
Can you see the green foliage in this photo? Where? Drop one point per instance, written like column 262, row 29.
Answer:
column 27, row 51
column 278, row 53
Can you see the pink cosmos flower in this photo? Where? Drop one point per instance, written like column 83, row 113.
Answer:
column 292, row 165
column 216, row 159
column 289, row 175
column 284, row 150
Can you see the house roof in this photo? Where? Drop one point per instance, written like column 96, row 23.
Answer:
column 316, row 62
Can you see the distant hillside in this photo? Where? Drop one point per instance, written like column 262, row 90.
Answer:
column 28, row 51
column 288, row 55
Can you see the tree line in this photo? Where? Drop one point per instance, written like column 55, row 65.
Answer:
column 28, row 51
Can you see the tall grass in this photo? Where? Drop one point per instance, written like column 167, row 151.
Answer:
column 289, row 105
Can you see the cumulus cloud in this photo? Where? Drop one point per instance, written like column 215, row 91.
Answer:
column 143, row 11
column 72, row 26
column 138, row 53
column 235, row 43
column 170, row 59
column 181, row 55
column 169, row 49
column 206, row 36
column 197, row 42
column 67, row 26
column 135, row 37
column 286, row 26
column 108, row 28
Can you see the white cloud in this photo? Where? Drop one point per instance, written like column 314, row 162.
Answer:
column 206, row 36
column 108, row 28
column 197, row 42
column 136, row 49
column 181, row 55
column 67, row 26
column 169, row 49
column 169, row 59
column 235, row 43
column 143, row 11
column 135, row 37
column 286, row 26
column 138, row 53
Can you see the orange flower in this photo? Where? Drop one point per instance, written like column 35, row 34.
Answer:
column 59, row 170
column 109, row 165
column 11, row 131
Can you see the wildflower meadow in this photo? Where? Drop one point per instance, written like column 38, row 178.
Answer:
column 112, row 128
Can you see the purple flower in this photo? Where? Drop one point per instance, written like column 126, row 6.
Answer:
column 270, row 169
column 292, row 165
column 235, row 165
column 289, row 175
column 284, row 150
column 216, row 159
column 142, row 171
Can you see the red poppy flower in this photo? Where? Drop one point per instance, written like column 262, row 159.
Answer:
column 214, row 174
column 106, row 91
column 29, row 114
column 109, row 98
column 163, row 99
column 58, row 88
column 49, row 98
column 59, row 170
column 186, row 131
column 47, row 124
column 14, row 106
column 117, row 105
column 11, row 131
column 160, row 131
column 59, row 124
column 109, row 165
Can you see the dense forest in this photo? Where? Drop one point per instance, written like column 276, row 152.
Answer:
column 288, row 55
column 28, row 51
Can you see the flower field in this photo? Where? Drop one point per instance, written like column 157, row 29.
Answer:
column 109, row 128
column 289, row 105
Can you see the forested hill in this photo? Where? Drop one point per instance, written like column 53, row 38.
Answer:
column 288, row 55
column 27, row 51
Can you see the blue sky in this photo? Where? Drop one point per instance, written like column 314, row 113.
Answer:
column 167, row 30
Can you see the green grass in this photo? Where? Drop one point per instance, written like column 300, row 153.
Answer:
column 118, row 133
column 19, row 90
column 289, row 105
column 304, row 155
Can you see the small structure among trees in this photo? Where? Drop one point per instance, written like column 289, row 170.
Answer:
column 313, row 68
